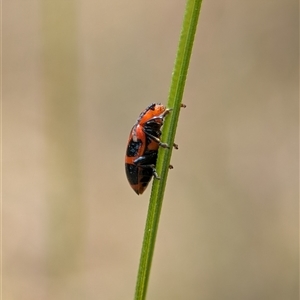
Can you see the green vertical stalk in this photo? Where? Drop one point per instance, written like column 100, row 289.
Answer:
column 184, row 51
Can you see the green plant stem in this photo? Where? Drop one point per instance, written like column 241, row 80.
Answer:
column 164, row 156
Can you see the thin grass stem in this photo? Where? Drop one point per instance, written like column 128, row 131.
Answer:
column 184, row 51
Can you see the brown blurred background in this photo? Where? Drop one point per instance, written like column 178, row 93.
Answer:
column 76, row 74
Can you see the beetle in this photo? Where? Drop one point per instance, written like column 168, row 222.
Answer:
column 142, row 148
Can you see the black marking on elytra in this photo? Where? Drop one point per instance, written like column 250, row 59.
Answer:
column 133, row 148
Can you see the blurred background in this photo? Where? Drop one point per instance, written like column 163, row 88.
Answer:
column 76, row 75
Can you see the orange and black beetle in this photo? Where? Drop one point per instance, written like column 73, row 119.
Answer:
column 143, row 144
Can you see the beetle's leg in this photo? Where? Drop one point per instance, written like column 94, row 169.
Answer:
column 155, row 173
column 147, row 161
column 152, row 167
column 153, row 170
column 161, row 144
column 166, row 112
column 157, row 140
